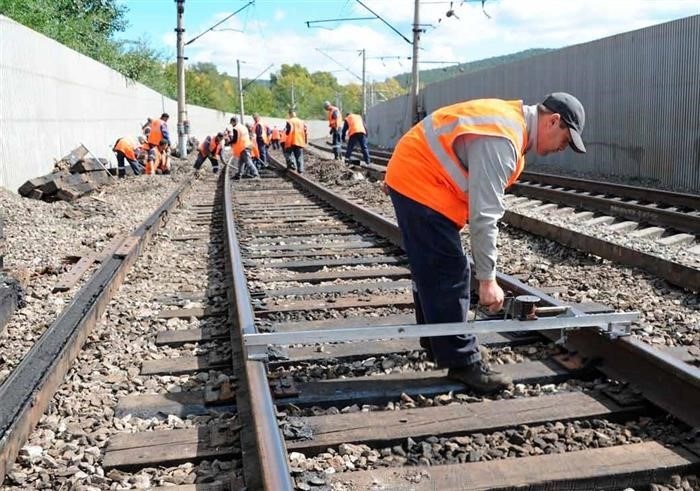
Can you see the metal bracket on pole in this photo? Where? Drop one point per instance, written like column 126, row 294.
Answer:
column 612, row 325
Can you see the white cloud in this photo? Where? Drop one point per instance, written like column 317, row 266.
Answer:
column 514, row 25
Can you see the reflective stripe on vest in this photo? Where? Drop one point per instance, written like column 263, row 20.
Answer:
column 424, row 166
column 449, row 160
column 355, row 124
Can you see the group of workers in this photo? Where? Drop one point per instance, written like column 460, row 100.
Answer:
column 353, row 126
column 249, row 145
column 149, row 152
column 450, row 169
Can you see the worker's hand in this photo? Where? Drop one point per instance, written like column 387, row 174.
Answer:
column 384, row 187
column 490, row 295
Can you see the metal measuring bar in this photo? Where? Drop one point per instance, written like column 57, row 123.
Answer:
column 613, row 325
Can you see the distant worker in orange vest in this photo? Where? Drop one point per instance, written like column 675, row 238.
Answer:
column 261, row 138
column 275, row 138
column 130, row 150
column 334, row 125
column 159, row 130
column 210, row 149
column 451, row 168
column 296, row 139
column 241, row 146
column 355, row 128
column 254, row 148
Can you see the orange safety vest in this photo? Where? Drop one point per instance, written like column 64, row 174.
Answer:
column 263, row 132
column 333, row 121
column 254, row 150
column 355, row 124
column 155, row 135
column 242, row 142
column 275, row 134
column 127, row 147
column 297, row 133
column 214, row 147
column 424, row 166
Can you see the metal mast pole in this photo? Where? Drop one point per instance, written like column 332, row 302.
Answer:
column 364, row 86
column 240, row 89
column 181, row 108
column 414, row 70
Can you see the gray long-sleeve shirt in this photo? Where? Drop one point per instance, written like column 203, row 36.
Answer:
column 490, row 161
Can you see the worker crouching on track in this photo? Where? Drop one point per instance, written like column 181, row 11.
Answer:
column 355, row 128
column 451, row 168
column 157, row 159
column 210, row 149
column 241, row 144
column 128, row 149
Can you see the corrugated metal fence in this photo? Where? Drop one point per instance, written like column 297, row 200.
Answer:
column 641, row 92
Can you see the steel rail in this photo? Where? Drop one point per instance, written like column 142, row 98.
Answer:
column 274, row 473
column 684, row 200
column 678, row 220
column 663, row 380
column 26, row 393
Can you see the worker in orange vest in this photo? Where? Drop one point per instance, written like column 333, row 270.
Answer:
column 334, row 125
column 241, row 147
column 275, row 138
column 262, row 139
column 156, row 158
column 130, row 150
column 355, row 128
column 210, row 149
column 451, row 168
column 295, row 141
column 159, row 130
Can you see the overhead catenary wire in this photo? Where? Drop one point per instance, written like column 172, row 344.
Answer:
column 219, row 23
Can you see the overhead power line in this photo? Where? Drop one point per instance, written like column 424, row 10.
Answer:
column 219, row 23
column 385, row 22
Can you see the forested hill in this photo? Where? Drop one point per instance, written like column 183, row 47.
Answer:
column 437, row 74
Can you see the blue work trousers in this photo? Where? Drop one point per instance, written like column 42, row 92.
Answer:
column 358, row 139
column 335, row 135
column 246, row 166
column 212, row 158
column 440, row 274
column 262, row 148
column 121, row 168
column 297, row 162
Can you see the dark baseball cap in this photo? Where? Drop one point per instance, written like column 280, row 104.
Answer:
column 572, row 114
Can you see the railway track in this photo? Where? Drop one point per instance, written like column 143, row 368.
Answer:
column 635, row 223
column 308, row 375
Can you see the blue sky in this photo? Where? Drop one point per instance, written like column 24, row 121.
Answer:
column 275, row 31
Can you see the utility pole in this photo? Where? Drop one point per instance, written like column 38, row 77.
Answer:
column 240, row 89
column 414, row 70
column 364, row 86
column 182, row 123
column 294, row 104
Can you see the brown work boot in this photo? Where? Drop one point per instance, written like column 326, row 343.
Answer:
column 480, row 378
